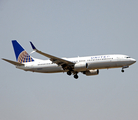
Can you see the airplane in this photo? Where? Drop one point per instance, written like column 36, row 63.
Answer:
column 89, row 65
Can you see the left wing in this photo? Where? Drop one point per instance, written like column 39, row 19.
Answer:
column 59, row 61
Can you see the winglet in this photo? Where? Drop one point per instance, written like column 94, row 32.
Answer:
column 34, row 48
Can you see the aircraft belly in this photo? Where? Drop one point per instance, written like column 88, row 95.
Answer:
column 45, row 69
column 52, row 69
column 49, row 69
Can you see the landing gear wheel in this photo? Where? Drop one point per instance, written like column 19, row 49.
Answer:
column 69, row 72
column 76, row 76
column 122, row 70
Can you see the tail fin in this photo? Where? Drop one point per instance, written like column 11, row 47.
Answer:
column 21, row 55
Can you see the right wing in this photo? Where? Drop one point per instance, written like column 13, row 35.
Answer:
column 13, row 62
column 59, row 61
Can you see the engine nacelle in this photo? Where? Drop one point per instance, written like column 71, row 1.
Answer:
column 80, row 66
column 91, row 72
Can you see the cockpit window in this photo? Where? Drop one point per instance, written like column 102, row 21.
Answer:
column 127, row 57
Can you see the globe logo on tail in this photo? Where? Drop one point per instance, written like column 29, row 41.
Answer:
column 24, row 57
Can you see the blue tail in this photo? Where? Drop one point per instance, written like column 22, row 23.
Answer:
column 21, row 55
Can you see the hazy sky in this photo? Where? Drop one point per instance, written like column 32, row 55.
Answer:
column 67, row 28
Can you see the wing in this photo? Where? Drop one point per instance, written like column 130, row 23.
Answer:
column 13, row 62
column 59, row 61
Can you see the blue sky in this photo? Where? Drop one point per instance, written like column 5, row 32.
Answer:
column 69, row 29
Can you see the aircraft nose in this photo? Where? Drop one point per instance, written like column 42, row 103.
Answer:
column 133, row 60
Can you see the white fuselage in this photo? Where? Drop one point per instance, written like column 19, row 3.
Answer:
column 93, row 62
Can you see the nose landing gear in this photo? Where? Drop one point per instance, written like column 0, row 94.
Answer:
column 124, row 68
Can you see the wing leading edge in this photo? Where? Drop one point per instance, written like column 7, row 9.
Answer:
column 59, row 61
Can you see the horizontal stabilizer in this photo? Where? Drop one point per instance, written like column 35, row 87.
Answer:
column 13, row 62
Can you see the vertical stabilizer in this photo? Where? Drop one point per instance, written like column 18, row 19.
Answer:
column 21, row 55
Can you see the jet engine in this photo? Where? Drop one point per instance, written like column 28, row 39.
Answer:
column 80, row 66
column 91, row 72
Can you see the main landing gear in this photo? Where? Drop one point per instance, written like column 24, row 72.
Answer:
column 124, row 68
column 69, row 73
column 75, row 74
